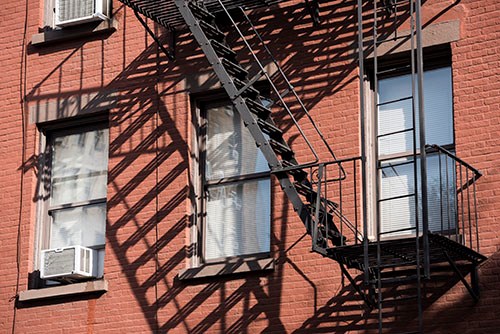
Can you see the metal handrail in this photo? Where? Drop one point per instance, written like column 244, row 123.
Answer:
column 275, row 89
column 454, row 157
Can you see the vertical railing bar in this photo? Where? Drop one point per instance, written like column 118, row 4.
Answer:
column 468, row 207
column 462, row 206
column 361, row 59
column 325, row 203
column 447, row 193
column 341, row 206
column 379, row 258
column 441, row 206
column 318, row 204
column 356, row 232
column 475, row 213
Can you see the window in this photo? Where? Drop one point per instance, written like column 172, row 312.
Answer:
column 62, row 13
column 235, row 184
column 395, row 147
column 75, row 179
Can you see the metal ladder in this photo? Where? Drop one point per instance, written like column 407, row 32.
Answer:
column 412, row 269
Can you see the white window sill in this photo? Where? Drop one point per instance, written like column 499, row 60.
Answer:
column 91, row 287
column 72, row 33
column 238, row 266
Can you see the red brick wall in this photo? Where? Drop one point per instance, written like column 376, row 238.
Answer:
column 148, row 207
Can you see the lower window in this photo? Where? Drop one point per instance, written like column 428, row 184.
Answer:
column 74, row 204
column 235, row 183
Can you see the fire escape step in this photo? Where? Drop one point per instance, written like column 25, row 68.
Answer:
column 250, row 91
column 222, row 50
column 212, row 32
column 201, row 13
column 298, row 173
column 281, row 149
column 270, row 129
column 234, row 69
column 258, row 109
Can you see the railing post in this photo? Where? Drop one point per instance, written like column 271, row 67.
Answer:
column 423, row 156
column 363, row 135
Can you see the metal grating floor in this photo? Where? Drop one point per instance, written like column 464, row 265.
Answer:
column 402, row 252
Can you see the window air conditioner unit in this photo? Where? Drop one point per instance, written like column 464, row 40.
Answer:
column 72, row 12
column 72, row 262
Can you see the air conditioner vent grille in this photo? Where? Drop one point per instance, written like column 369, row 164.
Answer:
column 75, row 9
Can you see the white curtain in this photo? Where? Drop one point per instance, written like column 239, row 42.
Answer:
column 237, row 213
column 79, row 175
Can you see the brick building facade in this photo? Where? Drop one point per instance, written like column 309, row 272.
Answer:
column 109, row 80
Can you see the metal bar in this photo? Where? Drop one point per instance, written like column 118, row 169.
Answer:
column 340, row 204
column 413, row 29
column 441, row 206
column 377, row 183
column 316, row 212
column 398, row 230
column 394, row 101
column 475, row 215
column 468, row 210
column 448, row 199
column 238, row 178
column 356, row 222
column 363, row 296
column 462, row 207
column 423, row 157
column 461, row 277
column 395, row 133
column 454, row 157
column 396, row 197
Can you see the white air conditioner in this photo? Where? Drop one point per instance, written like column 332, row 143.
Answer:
column 68, row 262
column 72, row 12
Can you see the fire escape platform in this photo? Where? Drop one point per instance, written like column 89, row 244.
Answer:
column 402, row 253
column 166, row 13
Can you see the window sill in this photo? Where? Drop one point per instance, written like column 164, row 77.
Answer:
column 70, row 290
column 238, row 266
column 84, row 30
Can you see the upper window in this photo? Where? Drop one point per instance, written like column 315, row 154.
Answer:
column 236, row 187
column 395, row 150
column 62, row 13
column 75, row 206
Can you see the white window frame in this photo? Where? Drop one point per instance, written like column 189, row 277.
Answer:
column 44, row 221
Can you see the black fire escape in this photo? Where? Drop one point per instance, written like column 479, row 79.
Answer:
column 315, row 188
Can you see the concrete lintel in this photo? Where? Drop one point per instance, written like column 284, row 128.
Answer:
column 434, row 34
column 52, row 109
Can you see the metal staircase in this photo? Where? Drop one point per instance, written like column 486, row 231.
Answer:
column 384, row 263
column 257, row 118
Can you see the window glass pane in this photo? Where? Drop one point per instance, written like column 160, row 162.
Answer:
column 441, row 191
column 397, row 116
column 230, row 148
column 79, row 167
column 84, row 226
column 238, row 219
